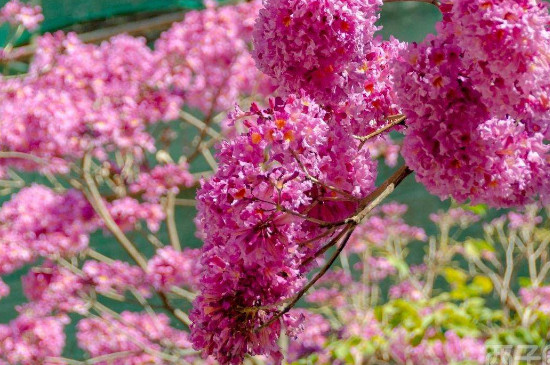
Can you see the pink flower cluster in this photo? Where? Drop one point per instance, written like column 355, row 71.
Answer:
column 525, row 220
column 170, row 268
column 366, row 110
column 31, row 341
column 318, row 46
column 474, row 96
column 207, row 56
column 406, row 290
column 79, row 97
column 330, row 289
column 289, row 166
column 162, row 179
column 116, row 276
column 386, row 148
column 40, row 222
column 128, row 212
column 379, row 268
column 50, row 288
column 17, row 13
column 139, row 334
column 507, row 43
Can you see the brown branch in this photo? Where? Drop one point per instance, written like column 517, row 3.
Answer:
column 376, row 197
column 317, row 181
column 319, row 275
column 325, row 247
column 367, row 205
column 378, row 132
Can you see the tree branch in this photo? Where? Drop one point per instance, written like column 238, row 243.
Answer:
column 366, row 206
column 99, row 206
column 171, row 222
column 378, row 132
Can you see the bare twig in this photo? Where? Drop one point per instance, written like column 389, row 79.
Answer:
column 320, row 274
column 199, row 124
column 366, row 206
column 171, row 221
column 99, row 206
column 378, row 132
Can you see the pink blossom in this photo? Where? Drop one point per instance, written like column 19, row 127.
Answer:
column 318, row 46
column 379, row 268
column 134, row 332
column 116, row 276
column 206, row 55
column 506, row 42
column 453, row 144
column 367, row 109
column 523, row 220
column 170, row 268
column 252, row 255
column 386, row 224
column 451, row 350
column 161, row 180
column 30, row 341
column 17, row 13
column 51, row 288
column 386, row 148
column 455, row 216
column 537, row 298
column 406, row 290
column 128, row 212
column 312, row 337
column 79, row 97
column 39, row 222
column 362, row 324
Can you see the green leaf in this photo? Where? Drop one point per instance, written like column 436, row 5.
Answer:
column 482, row 284
column 455, row 277
column 474, row 247
column 480, row 209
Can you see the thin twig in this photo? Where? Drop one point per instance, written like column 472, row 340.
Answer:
column 378, row 132
column 326, row 247
column 366, row 206
column 199, row 124
column 317, row 181
column 171, row 221
column 24, row 156
column 320, row 274
column 99, row 206
column 186, row 202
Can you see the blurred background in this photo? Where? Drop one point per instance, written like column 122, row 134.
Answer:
column 98, row 20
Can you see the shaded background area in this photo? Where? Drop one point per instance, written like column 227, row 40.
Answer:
column 406, row 21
